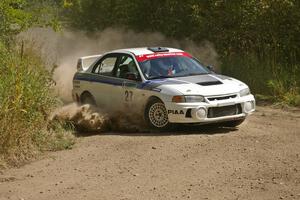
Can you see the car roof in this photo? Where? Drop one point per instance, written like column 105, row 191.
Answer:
column 144, row 50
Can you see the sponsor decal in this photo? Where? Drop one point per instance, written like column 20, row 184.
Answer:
column 176, row 112
column 128, row 95
column 144, row 57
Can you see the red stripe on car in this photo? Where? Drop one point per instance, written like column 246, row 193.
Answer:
column 144, row 57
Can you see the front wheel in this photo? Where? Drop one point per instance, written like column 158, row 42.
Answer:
column 156, row 115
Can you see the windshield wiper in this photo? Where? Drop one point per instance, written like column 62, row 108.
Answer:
column 194, row 74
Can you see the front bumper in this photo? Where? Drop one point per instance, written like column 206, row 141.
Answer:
column 211, row 111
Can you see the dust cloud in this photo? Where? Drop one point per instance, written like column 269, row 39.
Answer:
column 65, row 47
column 87, row 118
column 83, row 116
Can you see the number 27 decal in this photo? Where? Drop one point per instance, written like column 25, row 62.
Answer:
column 128, row 95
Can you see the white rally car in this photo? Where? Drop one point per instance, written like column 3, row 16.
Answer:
column 162, row 85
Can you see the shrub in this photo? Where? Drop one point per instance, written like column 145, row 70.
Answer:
column 266, row 77
column 26, row 99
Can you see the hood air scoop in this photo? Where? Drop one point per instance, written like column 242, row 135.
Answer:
column 204, row 80
column 210, row 83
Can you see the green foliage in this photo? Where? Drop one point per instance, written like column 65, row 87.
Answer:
column 26, row 100
column 286, row 94
column 278, row 81
column 57, row 137
column 19, row 15
column 234, row 26
column 257, row 40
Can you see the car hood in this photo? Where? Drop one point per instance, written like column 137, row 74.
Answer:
column 206, row 85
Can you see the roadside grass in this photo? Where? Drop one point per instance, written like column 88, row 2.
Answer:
column 268, row 79
column 26, row 100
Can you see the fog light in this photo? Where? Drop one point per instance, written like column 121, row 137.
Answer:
column 201, row 113
column 248, row 106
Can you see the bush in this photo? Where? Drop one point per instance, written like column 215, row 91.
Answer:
column 285, row 94
column 266, row 76
column 25, row 101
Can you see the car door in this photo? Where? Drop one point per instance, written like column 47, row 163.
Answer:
column 106, row 88
column 126, row 70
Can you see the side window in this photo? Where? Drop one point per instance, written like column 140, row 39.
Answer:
column 127, row 68
column 106, row 66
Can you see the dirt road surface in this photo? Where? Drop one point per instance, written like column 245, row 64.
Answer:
column 260, row 160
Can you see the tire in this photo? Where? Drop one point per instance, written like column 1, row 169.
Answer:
column 232, row 124
column 87, row 98
column 156, row 115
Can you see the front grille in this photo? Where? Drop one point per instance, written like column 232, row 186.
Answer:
column 224, row 111
column 222, row 97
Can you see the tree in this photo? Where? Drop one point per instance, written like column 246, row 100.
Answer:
column 19, row 15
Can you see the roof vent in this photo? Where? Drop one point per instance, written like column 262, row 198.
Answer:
column 158, row 49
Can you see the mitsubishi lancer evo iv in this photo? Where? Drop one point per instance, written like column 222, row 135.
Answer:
column 164, row 86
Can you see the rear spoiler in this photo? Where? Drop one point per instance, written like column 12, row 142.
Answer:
column 85, row 62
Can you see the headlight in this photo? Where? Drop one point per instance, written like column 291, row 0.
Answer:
column 194, row 98
column 190, row 99
column 244, row 92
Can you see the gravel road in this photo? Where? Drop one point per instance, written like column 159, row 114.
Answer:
column 259, row 160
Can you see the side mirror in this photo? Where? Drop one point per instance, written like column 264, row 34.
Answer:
column 210, row 68
column 79, row 64
column 132, row 76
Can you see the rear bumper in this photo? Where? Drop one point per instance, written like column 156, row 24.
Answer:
column 211, row 112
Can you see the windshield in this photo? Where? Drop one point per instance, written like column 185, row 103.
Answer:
column 174, row 66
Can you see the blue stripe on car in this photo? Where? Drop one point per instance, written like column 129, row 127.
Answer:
column 98, row 79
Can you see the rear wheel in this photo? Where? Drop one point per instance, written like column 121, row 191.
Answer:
column 156, row 114
column 87, row 98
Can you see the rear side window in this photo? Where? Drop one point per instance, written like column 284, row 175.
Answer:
column 106, row 66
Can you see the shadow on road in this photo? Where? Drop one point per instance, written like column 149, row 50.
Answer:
column 178, row 130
